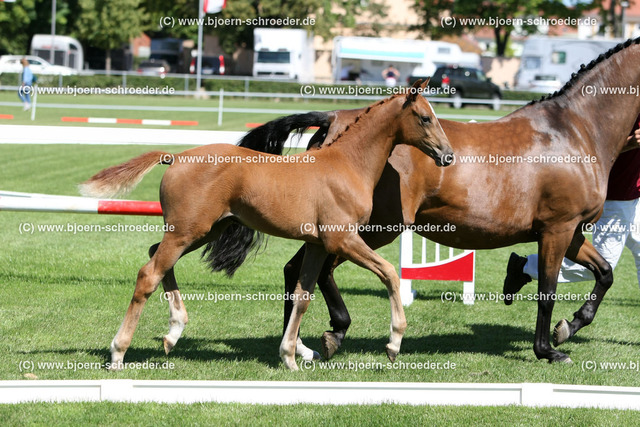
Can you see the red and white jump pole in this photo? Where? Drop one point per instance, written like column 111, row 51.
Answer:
column 457, row 268
column 33, row 202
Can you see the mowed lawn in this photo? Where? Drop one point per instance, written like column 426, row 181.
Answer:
column 64, row 296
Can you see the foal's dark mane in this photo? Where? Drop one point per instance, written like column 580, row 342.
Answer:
column 575, row 77
column 358, row 117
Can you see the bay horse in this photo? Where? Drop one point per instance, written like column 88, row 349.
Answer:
column 497, row 205
column 332, row 187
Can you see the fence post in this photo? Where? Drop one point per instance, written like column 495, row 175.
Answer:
column 220, row 107
column 34, row 104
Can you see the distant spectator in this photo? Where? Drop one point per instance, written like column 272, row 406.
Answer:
column 346, row 72
column 26, row 84
column 390, row 75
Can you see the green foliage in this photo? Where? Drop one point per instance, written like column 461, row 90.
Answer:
column 502, row 12
column 328, row 15
column 19, row 21
column 108, row 24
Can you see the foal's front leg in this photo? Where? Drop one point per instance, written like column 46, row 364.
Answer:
column 354, row 249
column 314, row 257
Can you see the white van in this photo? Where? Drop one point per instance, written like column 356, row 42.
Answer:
column 67, row 51
column 547, row 62
column 283, row 53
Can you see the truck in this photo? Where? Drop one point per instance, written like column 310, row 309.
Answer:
column 283, row 53
column 547, row 62
column 370, row 55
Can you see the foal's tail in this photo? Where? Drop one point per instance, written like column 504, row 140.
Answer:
column 123, row 178
column 237, row 241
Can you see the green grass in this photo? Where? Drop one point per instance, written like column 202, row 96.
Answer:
column 64, row 295
column 347, row 415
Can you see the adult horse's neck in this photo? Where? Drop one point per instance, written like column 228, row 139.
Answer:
column 596, row 105
column 366, row 144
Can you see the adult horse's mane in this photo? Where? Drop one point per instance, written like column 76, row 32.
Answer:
column 584, row 68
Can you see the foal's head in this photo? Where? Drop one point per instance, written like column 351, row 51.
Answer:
column 420, row 127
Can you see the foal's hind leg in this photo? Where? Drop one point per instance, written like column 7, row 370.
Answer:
column 178, row 317
column 169, row 251
column 588, row 257
column 314, row 256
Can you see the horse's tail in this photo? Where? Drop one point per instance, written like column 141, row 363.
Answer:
column 237, row 241
column 123, row 178
column 271, row 136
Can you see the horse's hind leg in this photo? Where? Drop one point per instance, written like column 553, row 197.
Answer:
column 167, row 254
column 582, row 252
column 178, row 317
column 314, row 255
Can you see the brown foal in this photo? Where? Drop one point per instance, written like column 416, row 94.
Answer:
column 333, row 187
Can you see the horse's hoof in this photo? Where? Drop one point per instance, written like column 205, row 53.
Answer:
column 391, row 354
column 329, row 344
column 290, row 363
column 115, row 366
column 563, row 358
column 168, row 345
column 561, row 332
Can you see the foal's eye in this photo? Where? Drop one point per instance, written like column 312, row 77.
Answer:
column 426, row 120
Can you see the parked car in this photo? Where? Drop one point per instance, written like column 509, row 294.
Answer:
column 211, row 65
column 544, row 83
column 468, row 83
column 11, row 64
column 154, row 67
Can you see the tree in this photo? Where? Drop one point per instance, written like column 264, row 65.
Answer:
column 19, row 21
column 501, row 15
column 328, row 15
column 108, row 24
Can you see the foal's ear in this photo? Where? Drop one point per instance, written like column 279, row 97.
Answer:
column 414, row 91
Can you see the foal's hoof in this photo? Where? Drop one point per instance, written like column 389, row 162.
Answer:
column 330, row 344
column 561, row 332
column 168, row 345
column 391, row 353
column 290, row 363
column 116, row 366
